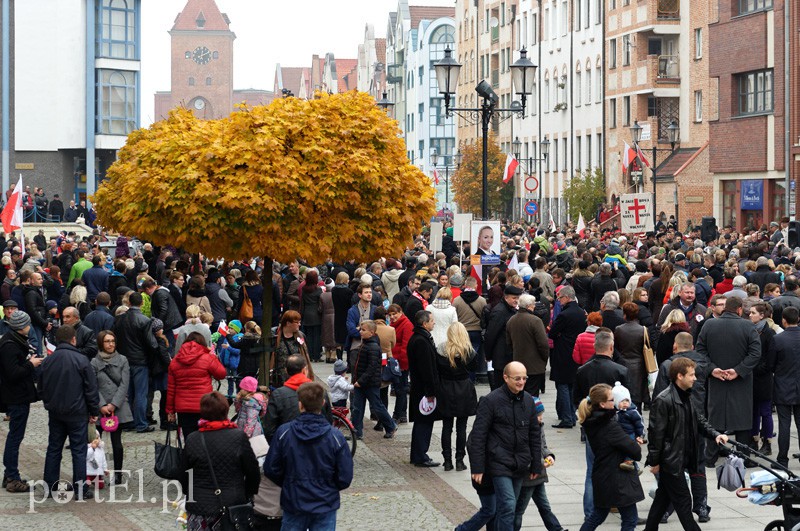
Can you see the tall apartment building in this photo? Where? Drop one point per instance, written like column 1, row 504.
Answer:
column 416, row 39
column 657, row 60
column 748, row 142
column 70, row 90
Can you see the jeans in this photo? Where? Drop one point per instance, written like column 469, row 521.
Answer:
column 16, row 432
column 628, row 514
column 137, row 395
column 785, row 414
column 588, row 493
column 672, row 489
column 401, row 397
column 461, row 438
column 360, row 396
column 310, row 522
column 476, row 339
column 534, row 384
column 539, row 496
column 59, row 431
column 506, row 491
column 484, row 516
column 762, row 418
column 564, row 407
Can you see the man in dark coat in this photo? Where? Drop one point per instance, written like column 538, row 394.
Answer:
column 763, row 275
column 366, row 362
column 424, row 377
column 787, row 380
column 685, row 301
column 527, row 339
column 163, row 306
column 16, row 393
column 95, row 278
column 570, row 322
column 402, row 296
column 418, row 300
column 790, row 297
column 34, row 305
column 495, row 341
column 504, row 451
column 674, row 432
column 601, row 283
column 100, row 318
column 733, row 349
column 56, row 208
column 85, row 338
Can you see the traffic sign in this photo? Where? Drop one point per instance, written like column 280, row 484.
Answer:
column 531, row 183
column 531, row 207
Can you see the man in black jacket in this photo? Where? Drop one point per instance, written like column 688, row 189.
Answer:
column 424, row 376
column 17, row 391
column 507, row 453
column 135, row 341
column 790, row 297
column 100, row 318
column 418, row 300
column 86, row 339
column 69, row 391
column 674, row 431
column 163, row 306
column 35, row 308
column 570, row 322
column 787, row 374
column 495, row 341
column 402, row 296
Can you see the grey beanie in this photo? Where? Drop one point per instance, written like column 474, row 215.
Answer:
column 19, row 320
column 339, row 366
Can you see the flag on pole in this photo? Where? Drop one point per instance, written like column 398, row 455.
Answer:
column 514, row 263
column 475, row 272
column 511, row 168
column 12, row 214
column 641, row 156
column 581, row 227
column 223, row 328
column 552, row 225
column 627, row 157
column 435, row 176
column 49, row 346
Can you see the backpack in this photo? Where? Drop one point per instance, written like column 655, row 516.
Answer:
column 730, row 474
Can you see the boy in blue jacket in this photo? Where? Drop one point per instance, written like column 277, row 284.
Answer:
column 311, row 462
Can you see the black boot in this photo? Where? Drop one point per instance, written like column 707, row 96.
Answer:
column 460, row 466
column 766, row 447
column 702, row 511
column 448, row 464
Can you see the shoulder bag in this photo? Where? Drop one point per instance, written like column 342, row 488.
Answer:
column 236, row 517
column 168, row 459
column 246, row 309
column 649, row 356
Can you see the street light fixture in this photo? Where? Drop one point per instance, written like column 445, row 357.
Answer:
column 384, row 103
column 673, row 135
column 544, row 149
column 523, row 75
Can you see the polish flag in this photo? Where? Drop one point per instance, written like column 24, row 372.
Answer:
column 12, row 214
column 581, row 227
column 511, row 168
column 642, row 157
column 552, row 225
column 475, row 272
column 435, row 176
column 627, row 157
column 223, row 329
column 514, row 262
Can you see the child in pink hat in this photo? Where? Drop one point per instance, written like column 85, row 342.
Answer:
column 250, row 406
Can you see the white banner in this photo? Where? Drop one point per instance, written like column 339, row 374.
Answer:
column 437, row 228
column 461, row 227
column 636, row 212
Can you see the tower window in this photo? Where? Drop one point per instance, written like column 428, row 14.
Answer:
column 215, row 55
column 201, row 20
column 191, row 81
column 208, row 81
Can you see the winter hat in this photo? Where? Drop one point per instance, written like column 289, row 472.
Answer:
column 538, row 405
column 157, row 324
column 19, row 320
column 339, row 366
column 50, row 305
column 329, row 284
column 620, row 393
column 249, row 384
column 457, row 280
column 235, row 325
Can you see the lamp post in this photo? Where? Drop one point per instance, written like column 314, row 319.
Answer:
column 528, row 164
column 385, row 104
column 435, row 161
column 673, row 133
column 523, row 73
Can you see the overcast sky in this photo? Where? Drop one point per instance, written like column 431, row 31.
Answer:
column 267, row 32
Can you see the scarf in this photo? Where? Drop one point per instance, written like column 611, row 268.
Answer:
column 213, row 425
column 421, row 299
column 106, row 356
column 296, row 381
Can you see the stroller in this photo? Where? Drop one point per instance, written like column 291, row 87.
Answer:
column 777, row 486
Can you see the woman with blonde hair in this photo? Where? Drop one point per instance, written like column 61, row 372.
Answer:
column 611, row 486
column 457, row 397
column 677, row 280
column 193, row 324
column 674, row 324
column 77, row 298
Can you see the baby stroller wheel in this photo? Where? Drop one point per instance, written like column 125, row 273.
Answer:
column 775, row 525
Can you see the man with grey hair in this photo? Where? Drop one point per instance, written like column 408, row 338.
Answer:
column 570, row 322
column 739, row 282
column 527, row 338
column 602, row 282
column 609, row 309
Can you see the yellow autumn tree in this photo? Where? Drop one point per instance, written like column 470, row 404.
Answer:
column 318, row 179
column 467, row 180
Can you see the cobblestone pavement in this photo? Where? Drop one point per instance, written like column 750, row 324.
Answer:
column 387, row 492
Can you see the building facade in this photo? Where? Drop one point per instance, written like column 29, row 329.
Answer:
column 64, row 140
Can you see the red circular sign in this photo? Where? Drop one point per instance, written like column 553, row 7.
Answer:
column 531, row 183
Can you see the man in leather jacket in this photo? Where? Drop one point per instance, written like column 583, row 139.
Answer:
column 674, row 430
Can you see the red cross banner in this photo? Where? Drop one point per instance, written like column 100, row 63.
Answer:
column 636, row 211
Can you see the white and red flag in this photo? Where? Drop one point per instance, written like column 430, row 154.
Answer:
column 511, row 168
column 581, row 227
column 13, row 213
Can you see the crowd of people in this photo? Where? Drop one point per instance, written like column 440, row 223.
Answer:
column 95, row 331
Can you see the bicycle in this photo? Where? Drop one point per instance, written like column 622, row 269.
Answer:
column 341, row 422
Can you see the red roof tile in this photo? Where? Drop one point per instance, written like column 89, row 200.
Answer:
column 419, row 13
column 214, row 20
column 675, row 162
column 380, row 50
column 291, row 78
column 346, row 74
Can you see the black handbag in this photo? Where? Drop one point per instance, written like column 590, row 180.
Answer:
column 236, row 517
column 168, row 458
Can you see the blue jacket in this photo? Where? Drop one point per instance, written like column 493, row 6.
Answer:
column 69, row 385
column 353, row 320
column 631, row 421
column 96, row 280
column 310, row 479
column 99, row 319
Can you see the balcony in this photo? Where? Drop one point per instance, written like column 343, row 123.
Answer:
column 668, row 67
column 668, row 9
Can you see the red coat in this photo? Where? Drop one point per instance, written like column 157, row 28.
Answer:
column 189, row 377
column 725, row 286
column 584, row 348
column 403, row 330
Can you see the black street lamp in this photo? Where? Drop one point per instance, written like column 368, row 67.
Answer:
column 528, row 164
column 385, row 104
column 435, row 160
column 674, row 136
column 523, row 76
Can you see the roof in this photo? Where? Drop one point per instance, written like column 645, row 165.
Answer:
column 290, row 77
column 420, row 13
column 380, row 50
column 674, row 162
column 201, row 15
column 344, row 68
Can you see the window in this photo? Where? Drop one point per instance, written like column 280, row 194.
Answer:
column 598, row 84
column 116, row 102
column 421, row 150
column 589, row 152
column 116, row 29
column 534, row 29
column 564, row 154
column 612, row 4
column 487, row 19
column 546, row 95
column 578, row 153
column 208, row 81
column 421, row 111
column 546, row 24
column 578, row 89
column 586, row 13
column 588, row 84
column 612, row 53
column 698, row 43
column 612, row 113
column 698, row 105
column 751, row 6
column 554, row 155
column 578, row 13
column 626, row 111
column 598, row 11
column 191, row 81
column 534, row 100
column 626, row 50
column 421, row 74
column 564, row 18
column 755, row 92
column 502, row 13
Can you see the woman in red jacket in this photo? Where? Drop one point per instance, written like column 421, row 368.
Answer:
column 403, row 330
column 584, row 345
column 189, row 378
